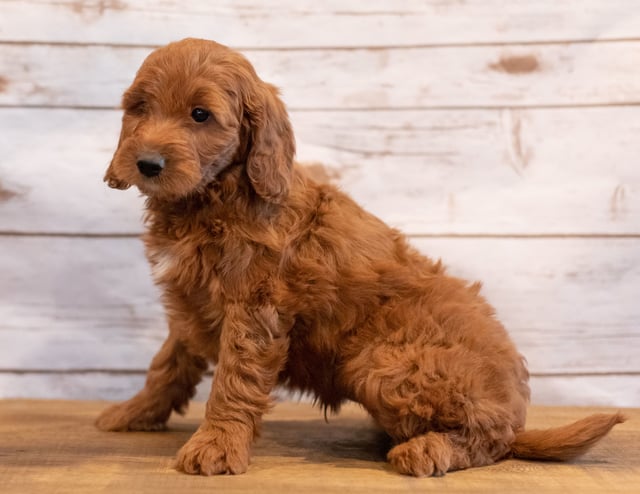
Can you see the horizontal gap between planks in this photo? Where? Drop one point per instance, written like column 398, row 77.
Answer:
column 69, row 234
column 465, row 44
column 409, row 235
column 111, row 372
column 138, row 372
column 58, row 107
column 342, row 109
column 525, row 235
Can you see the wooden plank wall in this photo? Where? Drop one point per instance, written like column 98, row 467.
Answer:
column 502, row 136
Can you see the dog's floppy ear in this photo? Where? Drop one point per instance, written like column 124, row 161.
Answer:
column 272, row 146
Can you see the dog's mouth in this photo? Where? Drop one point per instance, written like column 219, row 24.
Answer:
column 113, row 181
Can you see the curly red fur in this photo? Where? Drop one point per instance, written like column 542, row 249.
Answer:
column 278, row 279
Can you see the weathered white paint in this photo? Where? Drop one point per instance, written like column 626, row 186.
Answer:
column 73, row 303
column 538, row 171
column 615, row 391
column 569, row 304
column 309, row 23
column 378, row 85
column 419, row 77
column 64, row 303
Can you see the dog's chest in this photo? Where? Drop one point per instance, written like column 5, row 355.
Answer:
column 163, row 264
column 186, row 270
column 185, row 265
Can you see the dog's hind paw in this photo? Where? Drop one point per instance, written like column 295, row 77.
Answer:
column 428, row 455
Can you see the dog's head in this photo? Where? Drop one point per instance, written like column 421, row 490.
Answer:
column 195, row 108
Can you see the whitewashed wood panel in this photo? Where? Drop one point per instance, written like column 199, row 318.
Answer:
column 454, row 161
column 610, row 390
column 88, row 303
column 100, row 385
column 80, row 386
column 419, row 77
column 309, row 23
column 561, row 171
column 68, row 303
column 569, row 304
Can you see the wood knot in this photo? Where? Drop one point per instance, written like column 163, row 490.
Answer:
column 7, row 194
column 516, row 64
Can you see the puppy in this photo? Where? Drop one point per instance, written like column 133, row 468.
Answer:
column 279, row 280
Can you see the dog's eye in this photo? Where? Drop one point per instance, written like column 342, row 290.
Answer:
column 200, row 115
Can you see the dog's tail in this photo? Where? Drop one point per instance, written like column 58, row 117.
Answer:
column 566, row 442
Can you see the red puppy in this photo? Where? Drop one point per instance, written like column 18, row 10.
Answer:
column 279, row 280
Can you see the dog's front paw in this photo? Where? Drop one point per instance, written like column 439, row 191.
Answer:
column 132, row 415
column 213, row 452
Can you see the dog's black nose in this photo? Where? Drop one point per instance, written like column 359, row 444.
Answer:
column 150, row 168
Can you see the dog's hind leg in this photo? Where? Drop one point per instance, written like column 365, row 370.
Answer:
column 171, row 383
column 445, row 407
column 431, row 443
column 435, row 453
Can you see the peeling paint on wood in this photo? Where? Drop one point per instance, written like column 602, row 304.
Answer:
column 300, row 23
column 421, row 77
column 516, row 138
column 399, row 165
column 519, row 156
column 96, row 8
column 6, row 194
column 619, row 390
column 618, row 203
column 516, row 64
column 451, row 207
column 429, row 169
column 78, row 303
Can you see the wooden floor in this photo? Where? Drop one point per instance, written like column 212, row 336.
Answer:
column 52, row 446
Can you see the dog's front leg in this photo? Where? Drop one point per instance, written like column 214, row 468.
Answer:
column 253, row 350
